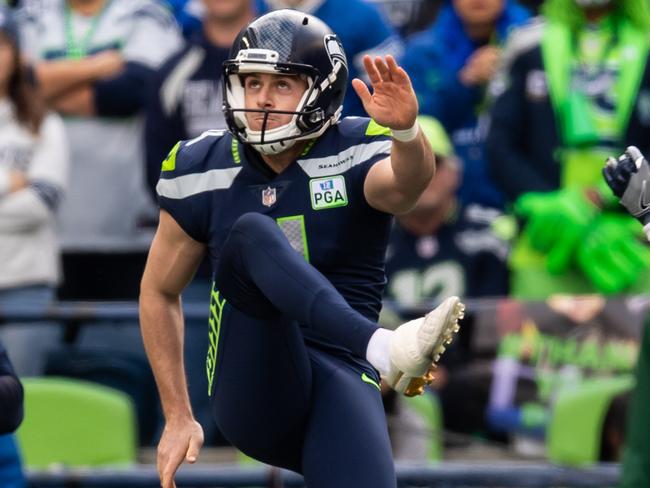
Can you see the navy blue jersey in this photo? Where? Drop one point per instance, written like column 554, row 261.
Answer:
column 463, row 257
column 318, row 201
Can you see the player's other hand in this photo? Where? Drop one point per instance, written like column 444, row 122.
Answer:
column 181, row 441
column 629, row 178
column 392, row 103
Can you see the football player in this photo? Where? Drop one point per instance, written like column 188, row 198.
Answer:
column 293, row 207
column 629, row 177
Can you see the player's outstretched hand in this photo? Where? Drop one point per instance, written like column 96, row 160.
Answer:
column 392, row 103
column 180, row 441
column 629, row 178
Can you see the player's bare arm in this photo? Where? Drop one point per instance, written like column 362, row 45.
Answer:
column 395, row 184
column 172, row 261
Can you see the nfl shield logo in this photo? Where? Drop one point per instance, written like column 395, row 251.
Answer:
column 268, row 196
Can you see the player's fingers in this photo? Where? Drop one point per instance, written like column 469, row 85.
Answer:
column 167, row 464
column 362, row 90
column 611, row 162
column 616, row 179
column 167, row 479
column 393, row 67
column 382, row 68
column 397, row 73
column 193, row 450
column 622, row 175
column 167, row 474
column 371, row 69
column 402, row 77
column 628, row 166
column 633, row 153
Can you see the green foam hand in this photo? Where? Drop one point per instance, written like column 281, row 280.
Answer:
column 611, row 255
column 556, row 223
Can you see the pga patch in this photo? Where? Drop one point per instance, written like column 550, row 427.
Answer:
column 328, row 192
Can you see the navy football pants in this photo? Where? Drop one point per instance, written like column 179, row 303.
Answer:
column 274, row 397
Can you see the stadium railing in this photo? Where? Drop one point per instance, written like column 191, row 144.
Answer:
column 506, row 475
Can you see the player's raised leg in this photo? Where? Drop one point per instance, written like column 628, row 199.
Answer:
column 268, row 276
column 265, row 274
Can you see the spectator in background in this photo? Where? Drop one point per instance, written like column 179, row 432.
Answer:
column 409, row 16
column 361, row 27
column 574, row 88
column 185, row 101
column 94, row 60
column 443, row 247
column 451, row 64
column 188, row 14
column 11, row 415
column 187, row 95
column 33, row 177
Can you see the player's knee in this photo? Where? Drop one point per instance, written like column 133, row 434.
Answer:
column 257, row 227
column 253, row 223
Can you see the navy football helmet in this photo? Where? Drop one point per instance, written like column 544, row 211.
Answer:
column 294, row 43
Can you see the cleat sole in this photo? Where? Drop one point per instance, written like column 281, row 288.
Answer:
column 416, row 385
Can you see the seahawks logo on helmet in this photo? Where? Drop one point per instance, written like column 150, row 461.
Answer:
column 335, row 50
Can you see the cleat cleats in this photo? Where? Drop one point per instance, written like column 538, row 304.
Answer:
column 417, row 345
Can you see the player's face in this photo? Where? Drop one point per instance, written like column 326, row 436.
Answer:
column 478, row 12
column 7, row 61
column 272, row 92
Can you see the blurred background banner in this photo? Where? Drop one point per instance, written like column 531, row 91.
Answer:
column 542, row 348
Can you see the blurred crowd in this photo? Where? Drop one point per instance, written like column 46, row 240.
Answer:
column 522, row 104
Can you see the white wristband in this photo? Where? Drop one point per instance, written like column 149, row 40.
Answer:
column 406, row 135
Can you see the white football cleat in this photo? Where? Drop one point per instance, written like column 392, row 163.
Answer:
column 416, row 346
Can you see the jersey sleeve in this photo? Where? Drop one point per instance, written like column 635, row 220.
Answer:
column 181, row 188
